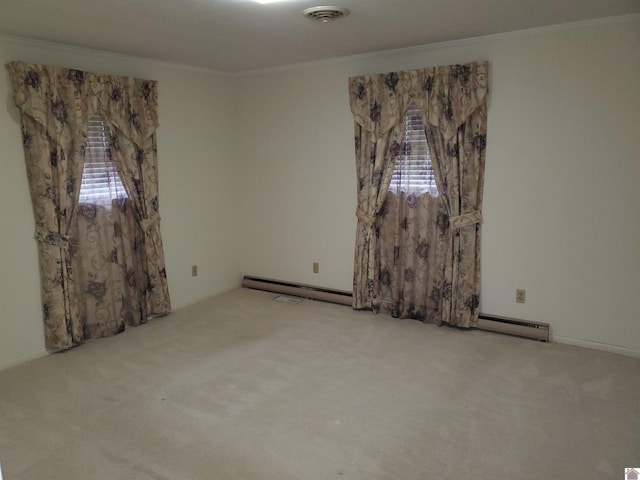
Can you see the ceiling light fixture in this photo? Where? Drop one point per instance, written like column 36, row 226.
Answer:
column 325, row 14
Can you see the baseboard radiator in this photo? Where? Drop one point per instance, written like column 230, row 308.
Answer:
column 511, row 326
column 299, row 290
column 491, row 323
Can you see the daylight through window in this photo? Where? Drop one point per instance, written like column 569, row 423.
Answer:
column 413, row 172
column 100, row 180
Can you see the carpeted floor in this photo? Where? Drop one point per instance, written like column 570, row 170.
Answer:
column 242, row 387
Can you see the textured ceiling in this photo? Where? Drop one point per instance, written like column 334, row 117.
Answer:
column 241, row 35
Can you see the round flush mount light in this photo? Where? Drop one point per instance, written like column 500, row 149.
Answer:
column 325, row 14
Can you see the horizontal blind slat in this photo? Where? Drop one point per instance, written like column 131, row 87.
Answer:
column 413, row 170
column 100, row 180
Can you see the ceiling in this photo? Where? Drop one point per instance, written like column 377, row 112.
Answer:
column 242, row 35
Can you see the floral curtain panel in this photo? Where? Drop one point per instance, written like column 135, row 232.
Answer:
column 452, row 100
column 138, row 165
column 459, row 169
column 55, row 105
column 375, row 169
column 410, row 256
column 109, row 277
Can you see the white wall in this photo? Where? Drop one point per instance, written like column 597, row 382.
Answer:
column 562, row 203
column 562, row 196
column 198, row 197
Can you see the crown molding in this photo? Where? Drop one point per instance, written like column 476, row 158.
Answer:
column 36, row 43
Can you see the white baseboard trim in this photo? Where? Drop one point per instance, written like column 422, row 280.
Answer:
column 22, row 359
column 606, row 347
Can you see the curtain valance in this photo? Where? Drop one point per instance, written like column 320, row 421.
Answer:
column 446, row 95
column 127, row 104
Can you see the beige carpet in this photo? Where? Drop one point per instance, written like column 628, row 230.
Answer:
column 242, row 387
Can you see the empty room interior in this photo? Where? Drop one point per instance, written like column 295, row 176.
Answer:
column 228, row 128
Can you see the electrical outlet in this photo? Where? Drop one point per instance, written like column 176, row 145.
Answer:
column 521, row 295
column 316, row 267
column 194, row 270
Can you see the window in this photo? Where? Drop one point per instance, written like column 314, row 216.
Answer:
column 100, row 180
column 413, row 172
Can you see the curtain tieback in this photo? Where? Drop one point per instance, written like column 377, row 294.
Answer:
column 466, row 219
column 364, row 217
column 149, row 223
column 55, row 239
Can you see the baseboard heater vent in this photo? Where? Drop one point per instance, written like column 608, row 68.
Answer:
column 512, row 326
column 490, row 323
column 299, row 290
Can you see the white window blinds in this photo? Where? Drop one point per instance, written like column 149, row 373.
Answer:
column 413, row 172
column 100, row 180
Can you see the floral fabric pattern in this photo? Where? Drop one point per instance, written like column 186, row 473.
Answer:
column 452, row 100
column 459, row 171
column 410, row 256
column 55, row 105
column 110, row 282
column 375, row 168
column 446, row 95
